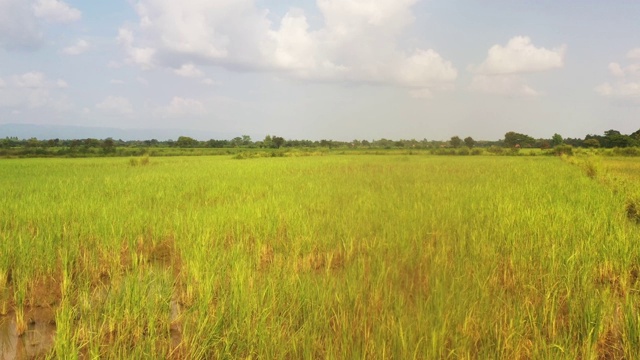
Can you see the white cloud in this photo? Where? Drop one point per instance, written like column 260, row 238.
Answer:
column 116, row 82
column 189, row 70
column 33, row 90
column 78, row 48
column 136, row 55
column 30, row 80
column 208, row 81
column 424, row 68
column 634, row 54
column 626, row 86
column 19, row 29
column 359, row 41
column 21, row 21
column 505, row 85
column 503, row 71
column 180, row 106
column 616, row 69
column 115, row 105
column 520, row 56
column 56, row 11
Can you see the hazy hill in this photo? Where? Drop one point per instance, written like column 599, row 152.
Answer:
column 45, row 132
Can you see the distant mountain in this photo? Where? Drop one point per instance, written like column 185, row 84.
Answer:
column 45, row 132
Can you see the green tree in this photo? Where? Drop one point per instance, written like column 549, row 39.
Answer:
column 512, row 139
column 469, row 142
column 591, row 143
column 185, row 141
column 108, row 146
column 278, row 141
column 557, row 140
column 455, row 141
column 268, row 141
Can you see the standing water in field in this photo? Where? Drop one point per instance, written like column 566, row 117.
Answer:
column 37, row 339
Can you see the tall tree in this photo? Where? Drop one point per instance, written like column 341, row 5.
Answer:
column 455, row 141
column 469, row 142
column 557, row 140
column 511, row 139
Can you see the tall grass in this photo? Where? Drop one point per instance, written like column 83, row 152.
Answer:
column 321, row 257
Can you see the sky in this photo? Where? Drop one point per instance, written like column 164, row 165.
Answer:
column 324, row 69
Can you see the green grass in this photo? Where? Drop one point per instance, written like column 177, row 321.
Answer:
column 321, row 257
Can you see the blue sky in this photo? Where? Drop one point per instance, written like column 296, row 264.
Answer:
column 339, row 69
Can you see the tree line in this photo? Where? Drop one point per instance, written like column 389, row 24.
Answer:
column 610, row 139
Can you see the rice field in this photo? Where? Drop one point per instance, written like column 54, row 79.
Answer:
column 336, row 257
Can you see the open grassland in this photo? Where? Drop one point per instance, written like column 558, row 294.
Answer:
column 337, row 257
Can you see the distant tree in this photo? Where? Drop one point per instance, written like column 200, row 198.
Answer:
column 217, row 143
column 32, row 143
column 469, row 142
column 246, row 140
column 455, row 141
column 557, row 140
column 278, row 141
column 267, row 142
column 636, row 135
column 591, row 143
column 185, row 141
column 511, row 139
column 613, row 138
column 108, row 146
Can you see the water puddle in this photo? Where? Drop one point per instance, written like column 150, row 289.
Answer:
column 37, row 339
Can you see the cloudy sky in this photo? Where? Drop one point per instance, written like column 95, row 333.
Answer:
column 339, row 69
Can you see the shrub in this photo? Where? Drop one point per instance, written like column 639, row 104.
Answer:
column 633, row 210
column 495, row 150
column 563, row 150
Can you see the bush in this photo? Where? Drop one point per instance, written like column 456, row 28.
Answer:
column 626, row 151
column 633, row 210
column 496, row 150
column 563, row 150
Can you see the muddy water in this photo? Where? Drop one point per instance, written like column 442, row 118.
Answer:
column 37, row 340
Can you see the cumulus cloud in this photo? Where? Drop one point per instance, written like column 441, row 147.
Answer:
column 33, row 90
column 21, row 21
column 625, row 86
column 189, row 70
column 520, row 56
column 180, row 106
column 55, row 11
column 136, row 55
column 359, row 41
column 78, row 48
column 503, row 71
column 115, row 105
column 634, row 54
column 19, row 28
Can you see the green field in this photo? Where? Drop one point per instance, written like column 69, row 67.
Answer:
column 339, row 257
